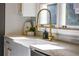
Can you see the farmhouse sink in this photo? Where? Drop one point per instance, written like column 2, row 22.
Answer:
column 47, row 47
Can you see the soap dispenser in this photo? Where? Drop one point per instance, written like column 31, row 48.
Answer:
column 45, row 34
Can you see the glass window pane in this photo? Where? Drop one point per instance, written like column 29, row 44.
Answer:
column 53, row 10
column 71, row 17
column 43, row 14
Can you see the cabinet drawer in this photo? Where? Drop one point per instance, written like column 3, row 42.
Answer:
column 8, row 43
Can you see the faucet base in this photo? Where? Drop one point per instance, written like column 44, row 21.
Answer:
column 50, row 38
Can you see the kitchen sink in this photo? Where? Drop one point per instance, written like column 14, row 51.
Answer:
column 47, row 47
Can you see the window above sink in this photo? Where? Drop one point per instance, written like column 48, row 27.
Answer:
column 72, row 18
column 44, row 16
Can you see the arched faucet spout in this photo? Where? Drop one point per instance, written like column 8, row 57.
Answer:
column 50, row 22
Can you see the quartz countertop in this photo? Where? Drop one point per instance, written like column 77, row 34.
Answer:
column 52, row 48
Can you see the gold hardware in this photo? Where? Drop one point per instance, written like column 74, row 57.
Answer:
column 50, row 37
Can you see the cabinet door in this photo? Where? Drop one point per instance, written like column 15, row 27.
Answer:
column 19, row 50
column 7, row 46
column 29, row 9
column 16, row 48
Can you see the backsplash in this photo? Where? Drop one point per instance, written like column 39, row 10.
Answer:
column 65, row 35
column 68, row 38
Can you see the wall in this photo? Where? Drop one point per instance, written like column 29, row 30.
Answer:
column 13, row 21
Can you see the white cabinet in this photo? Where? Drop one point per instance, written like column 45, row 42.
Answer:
column 19, row 50
column 20, row 46
column 7, row 47
column 12, row 48
column 29, row 9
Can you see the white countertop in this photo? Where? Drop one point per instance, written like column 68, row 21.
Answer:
column 51, row 48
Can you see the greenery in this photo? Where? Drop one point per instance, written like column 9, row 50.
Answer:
column 32, row 29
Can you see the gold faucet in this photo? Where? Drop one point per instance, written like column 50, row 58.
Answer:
column 50, row 37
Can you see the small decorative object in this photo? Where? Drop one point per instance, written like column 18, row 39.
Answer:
column 45, row 34
column 32, row 29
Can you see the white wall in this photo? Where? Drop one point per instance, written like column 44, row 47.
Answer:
column 13, row 21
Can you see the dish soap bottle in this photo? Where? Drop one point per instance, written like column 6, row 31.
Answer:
column 45, row 34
